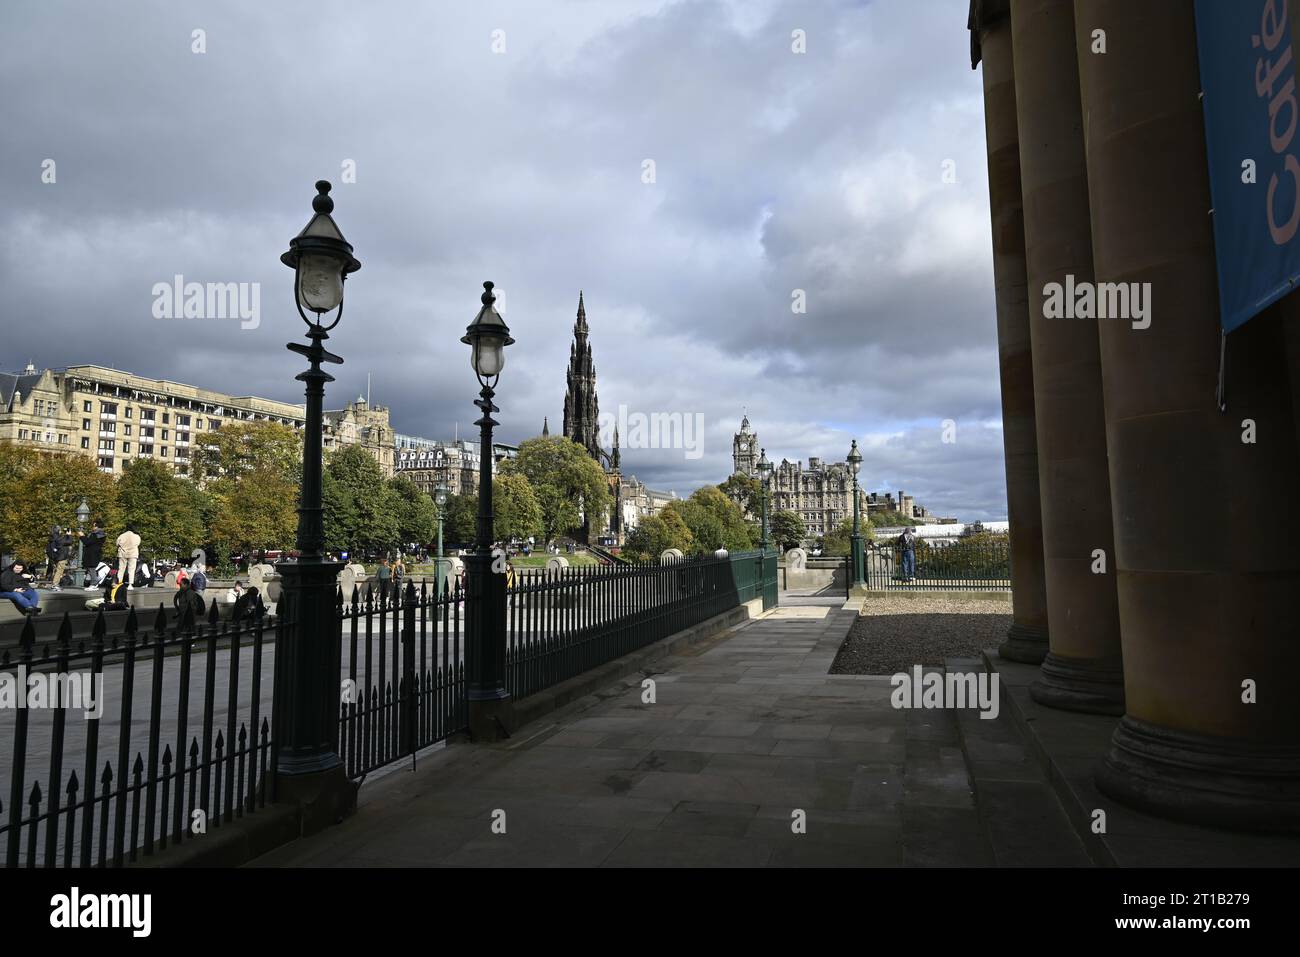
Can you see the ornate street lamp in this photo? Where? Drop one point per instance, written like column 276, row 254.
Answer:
column 855, row 543
column 79, row 573
column 764, row 476
column 439, row 497
column 490, row 713
column 307, row 652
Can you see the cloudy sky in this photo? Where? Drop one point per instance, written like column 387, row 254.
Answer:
column 508, row 141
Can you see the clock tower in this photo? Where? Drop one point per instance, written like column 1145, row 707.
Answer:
column 744, row 450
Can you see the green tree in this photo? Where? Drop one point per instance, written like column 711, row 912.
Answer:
column 366, row 513
column 515, row 509
column 253, row 510
column 567, row 482
column 837, row 541
column 788, row 530
column 242, row 448
column 745, row 491
column 460, row 526
column 39, row 491
column 890, row 520
column 417, row 515
column 167, row 512
column 654, row 535
column 715, row 521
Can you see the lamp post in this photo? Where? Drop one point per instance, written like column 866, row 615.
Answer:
column 79, row 573
column 490, row 711
column 855, row 543
column 440, row 497
column 764, row 472
column 307, row 647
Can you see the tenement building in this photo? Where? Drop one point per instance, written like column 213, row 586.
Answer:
column 821, row 494
column 115, row 417
column 432, row 464
column 1100, row 175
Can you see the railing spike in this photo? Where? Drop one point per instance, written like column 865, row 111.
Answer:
column 65, row 633
column 27, row 639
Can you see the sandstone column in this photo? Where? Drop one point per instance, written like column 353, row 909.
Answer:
column 990, row 26
column 1083, row 670
column 1205, row 531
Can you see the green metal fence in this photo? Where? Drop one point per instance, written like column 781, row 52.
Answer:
column 976, row 563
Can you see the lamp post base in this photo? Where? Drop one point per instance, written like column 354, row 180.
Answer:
column 491, row 719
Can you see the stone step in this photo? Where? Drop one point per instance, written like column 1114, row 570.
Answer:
column 1021, row 815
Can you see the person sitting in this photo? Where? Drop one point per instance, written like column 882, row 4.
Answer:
column 100, row 574
column 246, row 604
column 235, row 591
column 16, row 585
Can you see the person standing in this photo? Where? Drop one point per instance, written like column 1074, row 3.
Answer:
column 52, row 547
column 384, row 575
column 128, row 555
column 93, row 548
column 908, row 543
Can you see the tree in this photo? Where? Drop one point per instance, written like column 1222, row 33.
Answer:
column 714, row 520
column 838, row 540
column 890, row 519
column 460, row 525
column 515, row 510
column 167, row 512
column 39, row 491
column 657, row 533
column 254, row 510
column 745, row 491
column 365, row 512
column 242, row 448
column 417, row 516
column 788, row 530
column 568, row 483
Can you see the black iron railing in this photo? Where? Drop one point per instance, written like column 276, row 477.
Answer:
column 143, row 798
column 566, row 621
column 971, row 564
column 403, row 672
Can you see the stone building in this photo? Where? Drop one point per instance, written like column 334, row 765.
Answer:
column 431, row 463
column 821, row 494
column 1098, row 173
column 114, row 417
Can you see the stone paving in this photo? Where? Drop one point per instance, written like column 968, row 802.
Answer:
column 746, row 731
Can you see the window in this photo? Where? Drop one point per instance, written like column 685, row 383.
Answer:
column 85, row 442
column 214, row 424
column 126, row 447
column 85, row 424
column 146, row 448
column 108, row 408
column 198, row 423
column 106, row 445
column 128, row 430
column 162, row 452
column 146, row 431
column 85, row 406
column 146, row 415
column 164, row 430
column 167, row 417
column 22, row 433
column 183, row 421
column 106, row 463
column 63, row 438
column 128, row 412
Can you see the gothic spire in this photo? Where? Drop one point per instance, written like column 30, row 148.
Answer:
column 546, row 428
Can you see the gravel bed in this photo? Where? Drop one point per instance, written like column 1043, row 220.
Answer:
column 896, row 632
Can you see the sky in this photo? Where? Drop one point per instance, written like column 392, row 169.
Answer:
column 773, row 208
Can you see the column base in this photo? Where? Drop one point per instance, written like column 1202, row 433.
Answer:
column 491, row 719
column 1026, row 645
column 1201, row 779
column 1092, row 685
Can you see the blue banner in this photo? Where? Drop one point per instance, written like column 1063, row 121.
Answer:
column 1248, row 75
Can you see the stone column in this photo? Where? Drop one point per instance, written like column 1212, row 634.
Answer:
column 1205, row 528
column 990, row 26
column 1083, row 671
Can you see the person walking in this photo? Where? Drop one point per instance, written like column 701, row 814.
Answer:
column 52, row 548
column 128, row 556
column 16, row 585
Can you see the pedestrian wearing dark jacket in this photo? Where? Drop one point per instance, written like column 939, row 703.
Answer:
column 93, row 549
column 16, row 585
